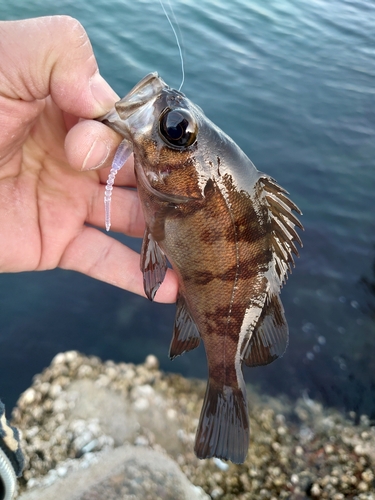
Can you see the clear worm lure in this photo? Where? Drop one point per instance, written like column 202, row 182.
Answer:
column 125, row 148
column 122, row 154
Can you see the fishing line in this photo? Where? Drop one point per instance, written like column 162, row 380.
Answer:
column 177, row 40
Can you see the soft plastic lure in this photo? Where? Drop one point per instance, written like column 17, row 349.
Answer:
column 122, row 154
column 125, row 149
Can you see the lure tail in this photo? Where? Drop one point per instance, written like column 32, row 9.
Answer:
column 223, row 429
column 122, row 154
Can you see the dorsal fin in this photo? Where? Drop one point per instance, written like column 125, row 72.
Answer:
column 283, row 223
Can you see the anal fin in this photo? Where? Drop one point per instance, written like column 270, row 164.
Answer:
column 153, row 265
column 270, row 337
column 185, row 334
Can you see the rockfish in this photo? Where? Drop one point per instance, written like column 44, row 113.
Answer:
column 228, row 232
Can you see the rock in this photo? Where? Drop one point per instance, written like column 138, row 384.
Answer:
column 119, row 430
column 126, row 472
column 115, row 415
column 152, row 362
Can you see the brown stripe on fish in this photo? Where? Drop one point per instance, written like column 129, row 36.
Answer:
column 245, row 269
column 247, row 236
column 217, row 321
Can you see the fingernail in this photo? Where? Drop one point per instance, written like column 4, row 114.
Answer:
column 103, row 93
column 97, row 155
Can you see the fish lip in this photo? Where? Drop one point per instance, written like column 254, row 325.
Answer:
column 144, row 92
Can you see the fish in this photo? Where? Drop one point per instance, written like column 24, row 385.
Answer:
column 11, row 457
column 229, row 233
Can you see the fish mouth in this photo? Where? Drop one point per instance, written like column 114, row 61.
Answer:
column 144, row 93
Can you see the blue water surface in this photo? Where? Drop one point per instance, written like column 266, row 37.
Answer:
column 292, row 81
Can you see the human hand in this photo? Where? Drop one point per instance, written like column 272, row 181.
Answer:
column 50, row 196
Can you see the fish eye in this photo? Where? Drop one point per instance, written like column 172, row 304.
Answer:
column 177, row 127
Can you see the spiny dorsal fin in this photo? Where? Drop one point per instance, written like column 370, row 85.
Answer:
column 283, row 223
column 185, row 334
column 153, row 265
column 270, row 337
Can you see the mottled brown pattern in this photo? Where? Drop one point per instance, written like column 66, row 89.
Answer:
column 221, row 224
column 230, row 323
column 170, row 168
column 244, row 270
column 209, row 273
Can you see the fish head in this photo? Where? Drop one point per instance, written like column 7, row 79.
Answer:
column 177, row 149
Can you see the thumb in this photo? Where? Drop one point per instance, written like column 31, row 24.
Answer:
column 52, row 56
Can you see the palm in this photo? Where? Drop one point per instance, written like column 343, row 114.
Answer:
column 44, row 203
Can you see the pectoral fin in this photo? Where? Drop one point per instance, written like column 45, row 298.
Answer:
column 185, row 334
column 270, row 337
column 153, row 265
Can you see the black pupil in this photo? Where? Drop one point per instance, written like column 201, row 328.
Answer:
column 177, row 127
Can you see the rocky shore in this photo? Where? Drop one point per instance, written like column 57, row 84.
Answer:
column 94, row 430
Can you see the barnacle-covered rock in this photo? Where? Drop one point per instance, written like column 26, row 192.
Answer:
column 81, row 412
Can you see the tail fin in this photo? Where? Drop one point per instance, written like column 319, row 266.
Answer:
column 223, row 429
